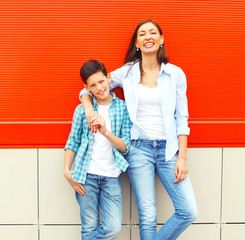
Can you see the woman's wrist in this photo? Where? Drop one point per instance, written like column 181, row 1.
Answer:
column 182, row 156
column 89, row 109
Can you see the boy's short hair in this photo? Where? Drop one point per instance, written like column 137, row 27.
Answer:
column 90, row 67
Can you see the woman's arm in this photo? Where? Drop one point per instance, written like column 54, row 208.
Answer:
column 181, row 108
column 181, row 117
column 86, row 100
column 181, row 170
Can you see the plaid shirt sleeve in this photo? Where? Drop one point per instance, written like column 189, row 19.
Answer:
column 125, row 130
column 74, row 139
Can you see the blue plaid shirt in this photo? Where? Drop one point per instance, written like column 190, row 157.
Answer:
column 81, row 138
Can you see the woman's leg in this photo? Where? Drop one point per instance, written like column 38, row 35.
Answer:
column 182, row 196
column 141, row 172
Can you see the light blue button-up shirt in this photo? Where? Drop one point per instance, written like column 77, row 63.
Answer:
column 172, row 85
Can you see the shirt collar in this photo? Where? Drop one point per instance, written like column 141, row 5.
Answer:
column 164, row 68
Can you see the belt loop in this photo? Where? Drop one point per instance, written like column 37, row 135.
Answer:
column 138, row 142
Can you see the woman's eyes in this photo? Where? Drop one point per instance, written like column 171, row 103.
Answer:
column 143, row 34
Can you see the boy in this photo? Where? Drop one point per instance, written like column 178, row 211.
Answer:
column 98, row 156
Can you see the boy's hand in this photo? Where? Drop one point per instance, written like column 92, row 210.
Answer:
column 90, row 115
column 76, row 186
column 99, row 123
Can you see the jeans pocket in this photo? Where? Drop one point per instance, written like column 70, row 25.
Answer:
column 174, row 158
column 129, row 152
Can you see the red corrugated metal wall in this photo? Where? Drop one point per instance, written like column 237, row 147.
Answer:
column 44, row 43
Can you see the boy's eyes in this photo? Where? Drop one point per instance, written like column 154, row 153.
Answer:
column 93, row 85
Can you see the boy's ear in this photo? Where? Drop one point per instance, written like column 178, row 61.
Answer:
column 85, row 86
column 109, row 77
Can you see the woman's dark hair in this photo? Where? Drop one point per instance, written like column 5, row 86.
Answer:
column 90, row 67
column 134, row 56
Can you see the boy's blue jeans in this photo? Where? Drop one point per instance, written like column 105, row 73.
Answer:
column 104, row 193
column 145, row 158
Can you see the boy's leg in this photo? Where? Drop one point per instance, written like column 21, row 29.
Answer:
column 89, row 206
column 111, row 209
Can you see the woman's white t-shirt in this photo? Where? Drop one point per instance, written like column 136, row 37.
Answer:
column 149, row 114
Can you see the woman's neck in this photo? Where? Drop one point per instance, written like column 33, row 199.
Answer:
column 150, row 71
column 150, row 63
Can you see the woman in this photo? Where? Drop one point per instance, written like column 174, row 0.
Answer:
column 155, row 94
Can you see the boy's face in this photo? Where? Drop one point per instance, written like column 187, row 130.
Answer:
column 98, row 85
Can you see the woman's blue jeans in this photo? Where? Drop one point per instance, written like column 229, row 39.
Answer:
column 145, row 158
column 104, row 193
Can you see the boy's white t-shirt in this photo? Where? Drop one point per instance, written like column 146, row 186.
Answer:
column 102, row 160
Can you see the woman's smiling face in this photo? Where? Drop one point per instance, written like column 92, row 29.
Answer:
column 148, row 38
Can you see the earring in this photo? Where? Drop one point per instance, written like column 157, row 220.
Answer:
column 137, row 49
column 161, row 46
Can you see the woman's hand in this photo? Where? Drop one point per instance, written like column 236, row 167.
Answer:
column 76, row 186
column 181, row 170
column 90, row 115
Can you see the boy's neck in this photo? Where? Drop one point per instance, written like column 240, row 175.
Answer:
column 106, row 101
